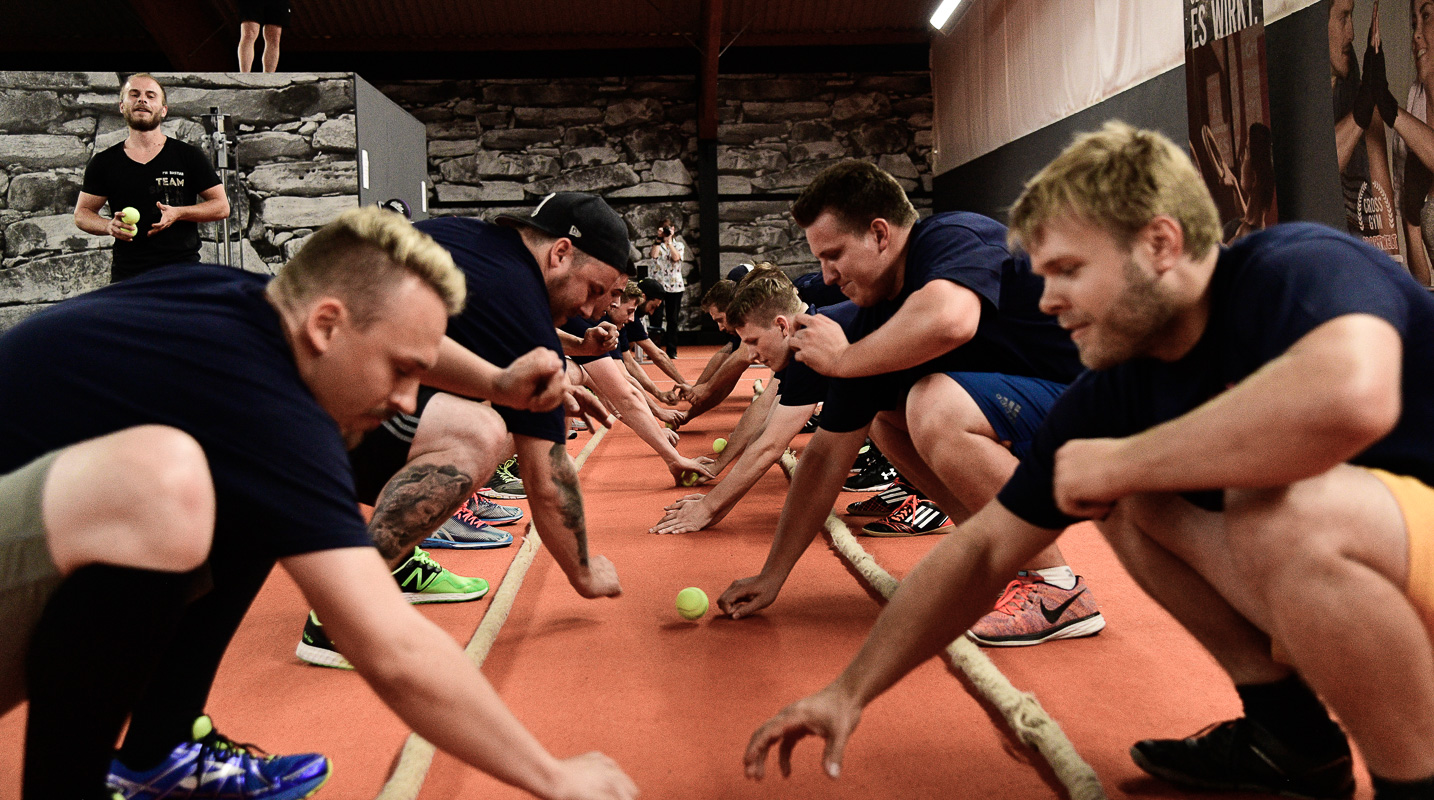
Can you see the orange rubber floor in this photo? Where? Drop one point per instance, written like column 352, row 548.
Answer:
column 674, row 702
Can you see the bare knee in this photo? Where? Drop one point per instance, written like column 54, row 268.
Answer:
column 248, row 32
column 1269, row 533
column 271, row 35
column 142, row 497
column 176, row 498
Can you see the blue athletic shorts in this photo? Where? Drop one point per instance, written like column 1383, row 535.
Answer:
column 1014, row 405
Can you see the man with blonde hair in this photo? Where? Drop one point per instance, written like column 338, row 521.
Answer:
column 763, row 311
column 273, row 380
column 949, row 363
column 1252, row 440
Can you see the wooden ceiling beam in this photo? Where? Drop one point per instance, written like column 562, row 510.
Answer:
column 710, row 43
column 450, row 44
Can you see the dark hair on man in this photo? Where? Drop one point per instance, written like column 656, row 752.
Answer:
column 856, row 193
column 719, row 295
column 651, row 289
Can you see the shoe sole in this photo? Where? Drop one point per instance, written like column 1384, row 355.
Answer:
column 445, row 544
column 880, row 487
column 900, row 534
column 1181, row 779
column 320, row 657
column 1088, row 626
column 418, row 598
column 494, row 494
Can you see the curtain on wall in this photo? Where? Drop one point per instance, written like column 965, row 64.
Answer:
column 1010, row 67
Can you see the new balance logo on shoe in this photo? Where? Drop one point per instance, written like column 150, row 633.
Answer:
column 1053, row 614
column 421, row 581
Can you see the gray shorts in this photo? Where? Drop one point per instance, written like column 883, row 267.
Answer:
column 28, row 575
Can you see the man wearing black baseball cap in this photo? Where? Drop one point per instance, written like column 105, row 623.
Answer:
column 524, row 275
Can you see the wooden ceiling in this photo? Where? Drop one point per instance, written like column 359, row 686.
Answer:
column 200, row 34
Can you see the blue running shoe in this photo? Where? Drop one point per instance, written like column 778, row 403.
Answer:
column 466, row 531
column 490, row 512
column 213, row 766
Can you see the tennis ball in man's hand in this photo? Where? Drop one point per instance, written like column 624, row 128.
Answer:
column 129, row 214
column 690, row 478
column 719, row 444
column 692, row 603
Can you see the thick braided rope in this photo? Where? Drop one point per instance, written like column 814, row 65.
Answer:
column 1028, row 720
column 416, row 756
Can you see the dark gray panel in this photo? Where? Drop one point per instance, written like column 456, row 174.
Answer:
column 392, row 150
column 989, row 184
column 1307, row 178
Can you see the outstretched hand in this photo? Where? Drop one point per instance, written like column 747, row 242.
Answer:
column 748, row 596
column 823, row 714
column 685, row 515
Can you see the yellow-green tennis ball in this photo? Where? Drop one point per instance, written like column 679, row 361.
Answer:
column 719, row 444
column 129, row 214
column 690, row 478
column 692, row 603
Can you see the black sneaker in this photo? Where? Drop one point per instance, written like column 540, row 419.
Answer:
column 316, row 648
column 1240, row 755
column 914, row 517
column 875, row 478
column 886, row 502
column 868, row 453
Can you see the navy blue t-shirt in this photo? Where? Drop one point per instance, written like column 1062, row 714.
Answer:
column 579, row 327
column 632, row 333
column 507, row 313
column 1269, row 290
column 198, row 348
column 1013, row 337
column 800, row 385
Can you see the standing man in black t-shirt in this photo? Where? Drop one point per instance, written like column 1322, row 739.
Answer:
column 273, row 380
column 171, row 184
column 951, row 365
column 1253, row 441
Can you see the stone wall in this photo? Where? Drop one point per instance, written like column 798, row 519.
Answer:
column 295, row 158
column 499, row 145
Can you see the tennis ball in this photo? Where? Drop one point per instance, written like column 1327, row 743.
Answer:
column 692, row 603
column 129, row 214
column 719, row 444
column 690, row 478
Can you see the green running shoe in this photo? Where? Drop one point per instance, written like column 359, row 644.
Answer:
column 424, row 580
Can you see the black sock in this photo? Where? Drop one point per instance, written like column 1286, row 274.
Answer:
column 91, row 655
column 164, row 716
column 1291, row 712
column 1385, row 789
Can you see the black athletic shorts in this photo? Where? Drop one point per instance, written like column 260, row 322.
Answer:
column 265, row 12
column 384, row 451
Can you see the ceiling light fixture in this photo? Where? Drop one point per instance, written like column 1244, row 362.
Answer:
column 944, row 12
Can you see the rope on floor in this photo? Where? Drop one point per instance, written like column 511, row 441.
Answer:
column 1022, row 711
column 416, row 756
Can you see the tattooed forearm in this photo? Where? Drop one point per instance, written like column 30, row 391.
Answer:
column 570, row 498
column 414, row 503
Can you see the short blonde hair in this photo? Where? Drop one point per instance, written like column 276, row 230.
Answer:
column 632, row 292
column 763, row 294
column 358, row 257
column 1119, row 178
